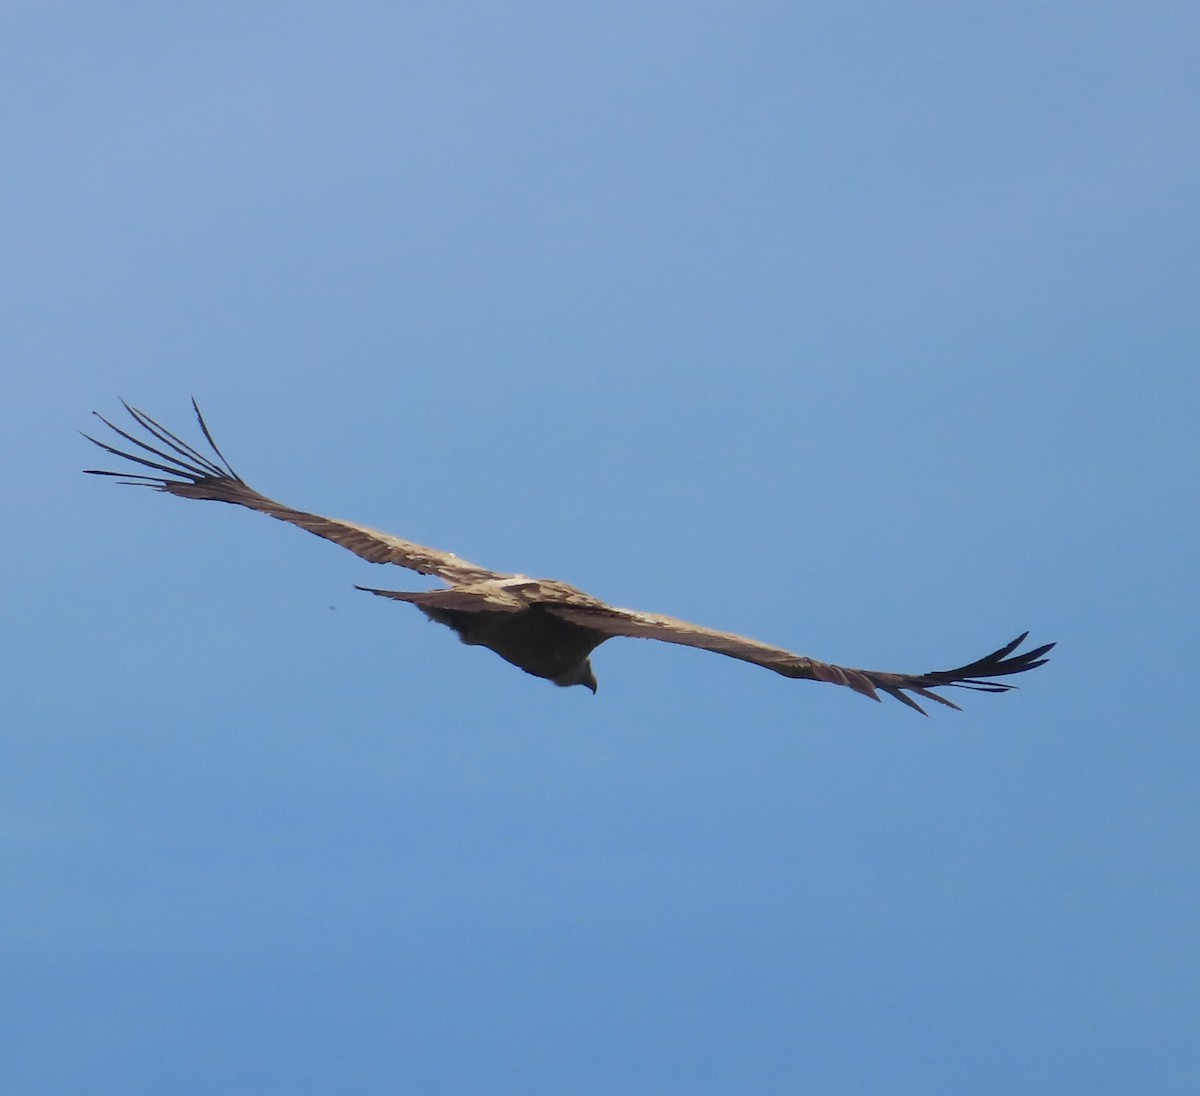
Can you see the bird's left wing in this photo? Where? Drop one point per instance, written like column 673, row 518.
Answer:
column 191, row 474
column 977, row 675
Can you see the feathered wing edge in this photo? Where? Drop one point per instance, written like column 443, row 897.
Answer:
column 977, row 675
column 188, row 463
column 186, row 472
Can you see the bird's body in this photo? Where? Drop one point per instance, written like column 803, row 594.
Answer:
column 511, row 617
column 543, row 626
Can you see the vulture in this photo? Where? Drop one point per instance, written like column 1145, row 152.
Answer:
column 545, row 627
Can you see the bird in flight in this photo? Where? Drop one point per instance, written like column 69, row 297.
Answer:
column 545, row 627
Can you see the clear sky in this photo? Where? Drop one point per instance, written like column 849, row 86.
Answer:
column 869, row 329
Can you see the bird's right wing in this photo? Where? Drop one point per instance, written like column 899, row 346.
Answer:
column 190, row 474
column 978, row 675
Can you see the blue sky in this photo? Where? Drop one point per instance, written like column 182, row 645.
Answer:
column 867, row 329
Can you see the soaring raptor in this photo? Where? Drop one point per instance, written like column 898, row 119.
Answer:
column 543, row 626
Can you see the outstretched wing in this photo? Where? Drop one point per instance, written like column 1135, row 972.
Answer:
column 190, row 474
column 979, row 675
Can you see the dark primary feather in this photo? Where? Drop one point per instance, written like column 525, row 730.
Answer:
column 194, row 465
column 545, row 627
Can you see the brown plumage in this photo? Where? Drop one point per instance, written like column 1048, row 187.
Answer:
column 545, row 627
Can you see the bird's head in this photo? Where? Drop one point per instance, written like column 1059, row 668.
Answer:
column 579, row 674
